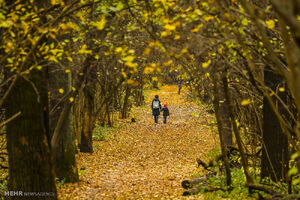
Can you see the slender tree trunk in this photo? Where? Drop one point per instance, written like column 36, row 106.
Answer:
column 224, row 113
column 86, row 144
column 63, row 142
column 30, row 166
column 239, row 142
column 126, row 102
column 220, row 123
column 274, row 161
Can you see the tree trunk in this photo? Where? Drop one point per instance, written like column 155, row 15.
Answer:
column 224, row 112
column 237, row 134
column 86, row 144
column 30, row 166
column 63, row 142
column 126, row 103
column 274, row 161
column 220, row 122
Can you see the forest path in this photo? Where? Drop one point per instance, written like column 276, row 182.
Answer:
column 144, row 160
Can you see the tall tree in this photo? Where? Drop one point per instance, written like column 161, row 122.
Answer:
column 30, row 162
column 274, row 161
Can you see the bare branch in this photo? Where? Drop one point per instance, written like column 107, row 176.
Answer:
column 10, row 119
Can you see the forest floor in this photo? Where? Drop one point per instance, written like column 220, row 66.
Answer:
column 144, row 160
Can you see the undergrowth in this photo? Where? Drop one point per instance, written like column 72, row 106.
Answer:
column 239, row 191
column 101, row 133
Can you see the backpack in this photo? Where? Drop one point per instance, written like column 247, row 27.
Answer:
column 155, row 104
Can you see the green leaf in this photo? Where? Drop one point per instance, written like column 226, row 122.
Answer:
column 245, row 22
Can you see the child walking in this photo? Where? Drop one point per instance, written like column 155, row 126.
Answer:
column 166, row 112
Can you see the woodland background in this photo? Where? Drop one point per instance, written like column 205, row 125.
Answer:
column 69, row 65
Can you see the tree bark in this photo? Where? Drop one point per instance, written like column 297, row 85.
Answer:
column 239, row 142
column 63, row 141
column 30, row 163
column 274, row 161
column 220, row 122
column 86, row 144
column 126, row 102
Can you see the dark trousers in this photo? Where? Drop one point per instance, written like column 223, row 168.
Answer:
column 156, row 118
column 165, row 119
column 179, row 90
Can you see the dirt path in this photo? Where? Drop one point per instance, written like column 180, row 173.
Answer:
column 144, row 160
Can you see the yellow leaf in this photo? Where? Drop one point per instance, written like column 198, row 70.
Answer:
column 245, row 22
column 74, row 89
column 164, row 34
column 71, row 99
column 124, row 74
column 206, row 64
column 61, row 90
column 83, row 50
column 208, row 17
column 128, row 58
column 270, row 24
column 246, row 102
column 67, row 71
column 129, row 81
column 131, row 51
column 170, row 27
column 281, row 89
column 148, row 70
column 101, row 24
column 118, row 49
column 147, row 51
column 70, row 59
column 168, row 63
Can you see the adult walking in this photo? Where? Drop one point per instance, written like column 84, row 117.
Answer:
column 179, row 86
column 156, row 107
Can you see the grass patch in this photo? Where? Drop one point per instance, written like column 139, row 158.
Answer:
column 3, row 184
column 239, row 190
column 101, row 133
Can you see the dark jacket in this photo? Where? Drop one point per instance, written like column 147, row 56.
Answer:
column 157, row 110
column 165, row 111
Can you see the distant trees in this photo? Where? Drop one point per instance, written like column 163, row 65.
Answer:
column 253, row 46
column 55, row 54
column 68, row 66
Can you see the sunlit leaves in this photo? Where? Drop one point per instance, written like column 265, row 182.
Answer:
column 270, row 24
column 71, row 99
column 61, row 91
column 118, row 50
column 208, row 17
column 206, row 64
column 246, row 102
column 100, row 24
column 245, row 22
column 84, row 50
column 170, row 27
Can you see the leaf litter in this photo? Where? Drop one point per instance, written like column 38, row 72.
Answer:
column 144, row 160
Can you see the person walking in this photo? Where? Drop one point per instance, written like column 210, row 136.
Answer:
column 156, row 107
column 166, row 112
column 179, row 86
